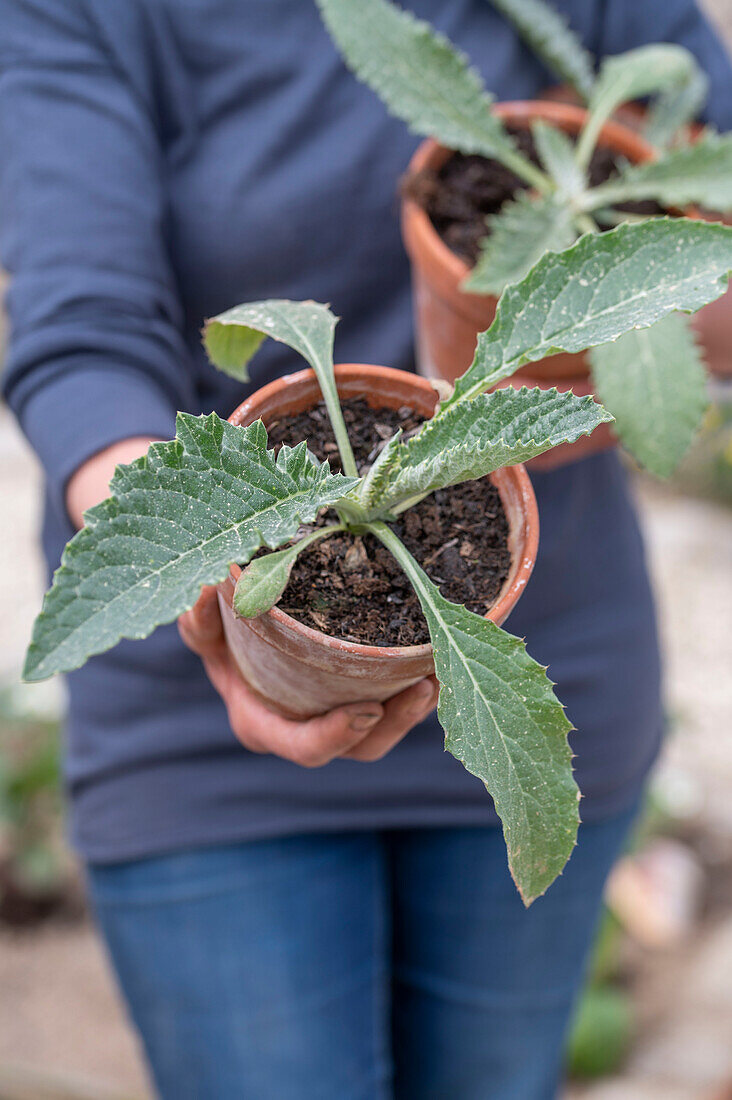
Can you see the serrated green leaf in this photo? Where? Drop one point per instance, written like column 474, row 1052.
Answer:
column 264, row 580
column 176, row 520
column 307, row 327
column 648, row 70
column 557, row 154
column 553, row 41
column 421, row 78
column 675, row 108
column 518, row 236
column 504, row 723
column 473, row 439
column 699, row 173
column 654, row 383
column 602, row 287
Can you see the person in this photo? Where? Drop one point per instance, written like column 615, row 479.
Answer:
column 315, row 910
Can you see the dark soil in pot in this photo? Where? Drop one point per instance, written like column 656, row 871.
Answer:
column 466, row 189
column 352, row 588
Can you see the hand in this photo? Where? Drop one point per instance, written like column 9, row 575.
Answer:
column 90, row 483
column 359, row 731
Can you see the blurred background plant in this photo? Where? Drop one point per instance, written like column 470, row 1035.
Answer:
column 707, row 469
column 37, row 877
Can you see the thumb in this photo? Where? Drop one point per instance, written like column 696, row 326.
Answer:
column 201, row 627
column 330, row 735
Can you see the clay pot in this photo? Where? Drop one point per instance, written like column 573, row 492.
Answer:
column 713, row 323
column 302, row 672
column 447, row 319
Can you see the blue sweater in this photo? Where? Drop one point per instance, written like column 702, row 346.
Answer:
column 161, row 160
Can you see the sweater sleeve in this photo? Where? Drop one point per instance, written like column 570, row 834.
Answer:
column 628, row 23
column 96, row 352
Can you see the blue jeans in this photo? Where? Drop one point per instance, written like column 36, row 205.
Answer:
column 359, row 966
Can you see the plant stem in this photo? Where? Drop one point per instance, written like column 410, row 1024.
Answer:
column 394, row 544
column 588, row 137
column 335, row 414
column 607, row 194
column 618, row 217
column 523, row 167
column 586, row 223
column 319, row 533
column 409, row 503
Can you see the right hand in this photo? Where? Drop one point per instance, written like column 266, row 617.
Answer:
column 359, row 731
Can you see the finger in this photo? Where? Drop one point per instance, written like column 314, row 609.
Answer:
column 317, row 741
column 401, row 714
column 201, row 627
column 310, row 743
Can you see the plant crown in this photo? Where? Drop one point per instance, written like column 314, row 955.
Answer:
column 178, row 517
column 658, row 401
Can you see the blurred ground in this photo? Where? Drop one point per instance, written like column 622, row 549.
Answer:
column 59, row 1014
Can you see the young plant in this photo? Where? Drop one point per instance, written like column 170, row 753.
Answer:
column 653, row 382
column 674, row 104
column 180, row 516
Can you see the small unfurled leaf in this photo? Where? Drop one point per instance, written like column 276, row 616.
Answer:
column 602, row 287
column 264, row 580
column 518, row 236
column 557, row 154
column 675, row 108
column 504, row 723
column 419, row 75
column 648, row 70
column 654, row 383
column 479, row 436
column 232, row 338
column 699, row 173
column 306, row 327
column 553, row 41
column 177, row 518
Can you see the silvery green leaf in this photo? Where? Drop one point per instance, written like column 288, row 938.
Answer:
column 307, row 327
column 653, row 380
column 380, row 473
column 518, row 236
column 602, row 287
column 264, row 580
column 473, row 439
column 647, row 70
column 557, row 154
column 699, row 173
column 504, row 723
column 676, row 108
column 177, row 518
column 421, row 77
column 232, row 338
column 553, row 41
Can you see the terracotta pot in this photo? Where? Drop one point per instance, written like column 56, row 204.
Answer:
column 713, row 323
column 302, row 672
column 447, row 319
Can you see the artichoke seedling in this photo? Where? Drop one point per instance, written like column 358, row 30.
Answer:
column 653, row 381
column 178, row 517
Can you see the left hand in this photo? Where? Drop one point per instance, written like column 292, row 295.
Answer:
column 359, row 731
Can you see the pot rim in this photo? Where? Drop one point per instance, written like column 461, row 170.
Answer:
column 345, row 372
column 430, row 153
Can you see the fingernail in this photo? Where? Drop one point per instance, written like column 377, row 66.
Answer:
column 364, row 720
